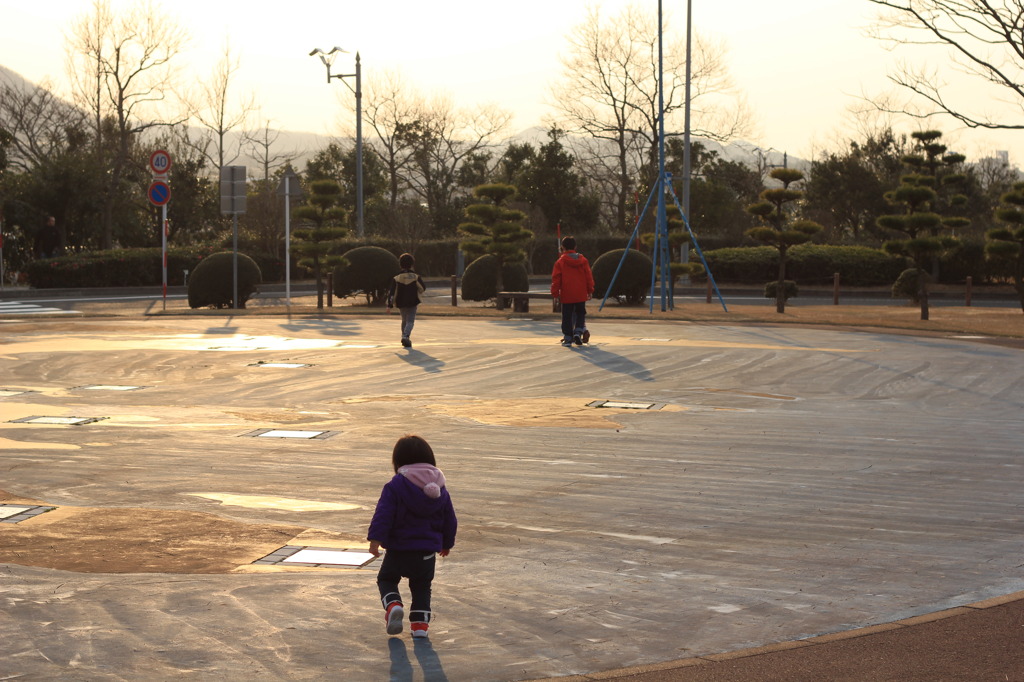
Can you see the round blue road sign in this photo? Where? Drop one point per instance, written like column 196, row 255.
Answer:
column 159, row 193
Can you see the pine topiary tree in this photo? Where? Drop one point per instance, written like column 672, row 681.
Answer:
column 494, row 229
column 314, row 244
column 1007, row 243
column 779, row 230
column 922, row 219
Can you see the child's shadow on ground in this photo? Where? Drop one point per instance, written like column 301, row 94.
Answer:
column 401, row 667
column 613, row 362
column 420, row 359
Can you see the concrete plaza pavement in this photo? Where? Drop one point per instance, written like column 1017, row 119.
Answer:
column 784, row 484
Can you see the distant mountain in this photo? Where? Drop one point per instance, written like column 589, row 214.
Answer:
column 9, row 77
column 302, row 146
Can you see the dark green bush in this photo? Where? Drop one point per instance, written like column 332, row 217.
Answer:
column 369, row 271
column 128, row 267
column 807, row 263
column 478, row 282
column 858, row 266
column 633, row 281
column 789, row 290
column 908, row 286
column 966, row 260
column 212, row 282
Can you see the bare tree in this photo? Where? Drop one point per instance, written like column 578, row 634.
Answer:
column 259, row 145
column 610, row 93
column 392, row 112
column 41, row 125
column 444, row 138
column 211, row 106
column 985, row 41
column 120, row 70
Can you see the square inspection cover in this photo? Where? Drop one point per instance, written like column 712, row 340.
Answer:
column 8, row 392
column 282, row 365
column 72, row 421
column 16, row 513
column 9, row 510
column 109, row 387
column 285, row 433
column 322, row 557
column 624, row 405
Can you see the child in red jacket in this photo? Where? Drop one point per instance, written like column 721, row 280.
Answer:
column 572, row 283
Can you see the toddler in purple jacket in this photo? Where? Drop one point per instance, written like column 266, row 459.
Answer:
column 414, row 521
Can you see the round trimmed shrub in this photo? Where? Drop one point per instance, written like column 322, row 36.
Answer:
column 789, row 290
column 369, row 271
column 908, row 285
column 478, row 281
column 211, row 284
column 633, row 281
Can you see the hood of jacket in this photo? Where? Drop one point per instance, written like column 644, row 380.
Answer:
column 406, row 277
column 573, row 259
column 427, row 478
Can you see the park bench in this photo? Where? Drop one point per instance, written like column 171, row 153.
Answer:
column 521, row 300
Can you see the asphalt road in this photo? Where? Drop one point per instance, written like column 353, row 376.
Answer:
column 780, row 484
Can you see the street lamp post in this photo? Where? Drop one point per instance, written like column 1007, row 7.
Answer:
column 328, row 58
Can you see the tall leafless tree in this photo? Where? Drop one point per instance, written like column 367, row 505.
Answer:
column 444, row 138
column 120, row 66
column 39, row 123
column 260, row 147
column 985, row 42
column 392, row 111
column 609, row 93
column 218, row 113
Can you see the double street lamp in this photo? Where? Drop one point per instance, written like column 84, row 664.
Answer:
column 328, row 58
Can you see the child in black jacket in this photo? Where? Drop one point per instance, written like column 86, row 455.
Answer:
column 404, row 294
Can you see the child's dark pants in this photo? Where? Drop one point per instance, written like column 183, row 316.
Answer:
column 574, row 319
column 418, row 567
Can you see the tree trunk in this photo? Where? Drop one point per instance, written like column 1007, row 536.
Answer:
column 922, row 292
column 319, row 283
column 780, row 287
column 623, row 199
column 499, row 282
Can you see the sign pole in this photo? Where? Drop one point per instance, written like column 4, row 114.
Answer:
column 163, row 247
column 2, row 276
column 234, row 261
column 287, row 242
column 159, row 194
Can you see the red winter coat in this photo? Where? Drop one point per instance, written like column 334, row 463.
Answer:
column 571, row 279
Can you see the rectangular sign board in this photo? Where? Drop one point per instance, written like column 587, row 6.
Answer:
column 232, row 189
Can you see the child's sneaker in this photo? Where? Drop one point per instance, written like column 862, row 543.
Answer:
column 393, row 617
column 419, row 630
column 406, row 342
column 586, row 336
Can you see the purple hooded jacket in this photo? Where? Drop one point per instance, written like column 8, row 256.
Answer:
column 414, row 512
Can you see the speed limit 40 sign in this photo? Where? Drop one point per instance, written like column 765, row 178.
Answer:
column 160, row 162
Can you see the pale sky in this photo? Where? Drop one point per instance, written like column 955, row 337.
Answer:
column 800, row 64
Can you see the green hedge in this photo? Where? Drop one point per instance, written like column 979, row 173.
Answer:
column 807, row 264
column 130, row 268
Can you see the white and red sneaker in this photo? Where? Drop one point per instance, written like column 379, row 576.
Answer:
column 419, row 630
column 393, row 617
